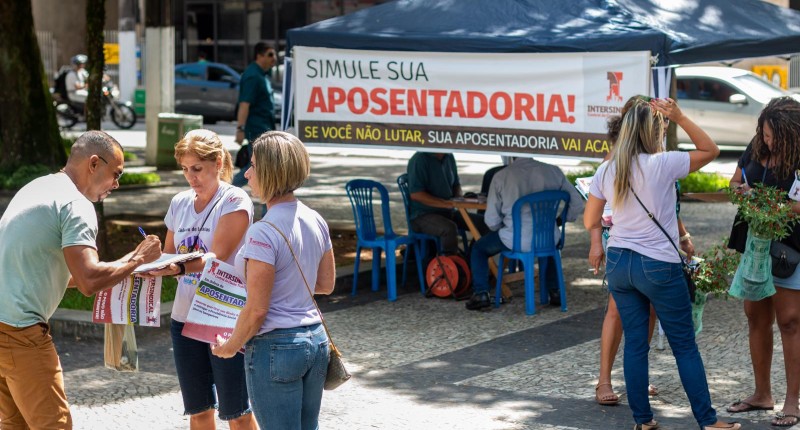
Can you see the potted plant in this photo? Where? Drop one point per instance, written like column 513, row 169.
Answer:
column 712, row 272
column 769, row 217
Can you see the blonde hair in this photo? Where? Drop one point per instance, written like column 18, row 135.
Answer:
column 641, row 131
column 207, row 146
column 281, row 164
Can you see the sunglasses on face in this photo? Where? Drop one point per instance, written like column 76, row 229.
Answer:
column 117, row 175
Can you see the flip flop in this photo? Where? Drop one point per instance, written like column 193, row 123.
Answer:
column 748, row 407
column 609, row 400
column 780, row 416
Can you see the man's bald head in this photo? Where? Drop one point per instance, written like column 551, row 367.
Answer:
column 93, row 142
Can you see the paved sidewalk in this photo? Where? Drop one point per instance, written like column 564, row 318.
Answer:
column 429, row 364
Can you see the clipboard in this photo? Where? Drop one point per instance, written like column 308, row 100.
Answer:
column 167, row 259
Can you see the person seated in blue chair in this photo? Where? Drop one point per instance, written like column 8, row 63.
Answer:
column 522, row 177
column 432, row 183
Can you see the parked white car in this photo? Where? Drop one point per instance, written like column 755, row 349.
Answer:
column 724, row 101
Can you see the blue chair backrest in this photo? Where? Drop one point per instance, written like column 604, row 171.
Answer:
column 402, row 183
column 544, row 209
column 360, row 192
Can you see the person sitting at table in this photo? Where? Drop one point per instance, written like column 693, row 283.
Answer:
column 522, row 177
column 432, row 183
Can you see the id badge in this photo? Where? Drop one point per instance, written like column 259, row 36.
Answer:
column 794, row 192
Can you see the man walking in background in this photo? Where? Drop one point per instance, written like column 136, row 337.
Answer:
column 256, row 103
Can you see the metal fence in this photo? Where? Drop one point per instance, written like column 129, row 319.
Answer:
column 112, row 36
column 48, row 47
column 794, row 71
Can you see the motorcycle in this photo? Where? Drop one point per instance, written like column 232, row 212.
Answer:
column 122, row 114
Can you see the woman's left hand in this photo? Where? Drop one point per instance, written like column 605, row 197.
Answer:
column 596, row 257
column 668, row 108
column 171, row 270
column 223, row 349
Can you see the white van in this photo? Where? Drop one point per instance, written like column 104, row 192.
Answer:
column 724, row 101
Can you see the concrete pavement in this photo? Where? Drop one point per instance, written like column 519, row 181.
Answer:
column 428, row 363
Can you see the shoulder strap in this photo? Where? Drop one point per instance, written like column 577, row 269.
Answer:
column 330, row 339
column 200, row 230
column 653, row 218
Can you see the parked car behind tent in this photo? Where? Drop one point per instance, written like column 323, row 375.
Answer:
column 212, row 90
column 723, row 101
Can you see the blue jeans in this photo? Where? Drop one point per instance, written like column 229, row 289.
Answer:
column 636, row 281
column 205, row 378
column 286, row 371
column 490, row 245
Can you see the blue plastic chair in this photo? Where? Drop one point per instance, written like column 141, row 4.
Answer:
column 545, row 207
column 360, row 192
column 420, row 239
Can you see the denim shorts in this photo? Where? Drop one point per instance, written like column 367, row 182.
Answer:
column 205, row 378
column 790, row 283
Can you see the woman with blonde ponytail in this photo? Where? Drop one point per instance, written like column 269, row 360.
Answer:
column 212, row 216
column 643, row 266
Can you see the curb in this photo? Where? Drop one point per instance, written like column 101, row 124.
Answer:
column 67, row 323
column 70, row 323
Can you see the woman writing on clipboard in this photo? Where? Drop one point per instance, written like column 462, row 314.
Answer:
column 212, row 217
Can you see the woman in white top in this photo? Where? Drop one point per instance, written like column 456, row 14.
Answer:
column 211, row 217
column 643, row 266
column 286, row 346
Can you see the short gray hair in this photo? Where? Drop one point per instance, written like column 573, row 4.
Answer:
column 93, row 142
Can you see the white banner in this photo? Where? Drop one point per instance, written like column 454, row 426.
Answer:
column 554, row 104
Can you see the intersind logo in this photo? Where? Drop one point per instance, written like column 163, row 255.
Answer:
column 260, row 243
column 614, row 96
column 614, row 82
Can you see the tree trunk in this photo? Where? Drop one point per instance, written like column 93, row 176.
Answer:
column 95, row 21
column 28, row 128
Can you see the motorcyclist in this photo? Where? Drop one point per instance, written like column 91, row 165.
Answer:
column 77, row 81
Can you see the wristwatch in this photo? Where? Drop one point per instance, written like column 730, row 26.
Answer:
column 182, row 269
column 685, row 237
column 239, row 128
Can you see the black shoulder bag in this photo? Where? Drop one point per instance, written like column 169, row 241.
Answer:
column 784, row 259
column 687, row 271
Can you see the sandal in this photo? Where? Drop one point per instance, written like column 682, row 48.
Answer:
column 781, row 418
column 740, row 406
column 607, row 400
column 727, row 426
column 652, row 425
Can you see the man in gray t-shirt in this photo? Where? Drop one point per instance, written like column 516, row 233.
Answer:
column 524, row 176
column 47, row 240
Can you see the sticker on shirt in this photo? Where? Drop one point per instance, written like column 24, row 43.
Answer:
column 191, row 280
column 794, row 192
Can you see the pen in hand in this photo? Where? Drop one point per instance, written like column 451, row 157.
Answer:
column 142, row 232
